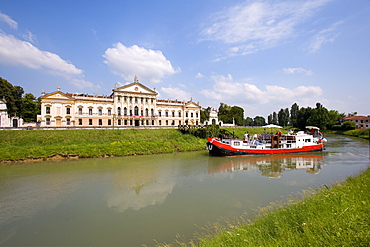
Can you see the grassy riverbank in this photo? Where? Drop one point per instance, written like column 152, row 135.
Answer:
column 44, row 144
column 362, row 133
column 335, row 216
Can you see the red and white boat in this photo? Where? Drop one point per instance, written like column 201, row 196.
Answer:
column 302, row 141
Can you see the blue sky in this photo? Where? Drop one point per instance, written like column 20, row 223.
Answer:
column 259, row 55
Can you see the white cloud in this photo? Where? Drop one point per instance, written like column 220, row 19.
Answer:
column 250, row 96
column 15, row 52
column 324, row 36
column 253, row 26
column 148, row 65
column 5, row 18
column 297, row 70
column 199, row 75
column 176, row 93
column 30, row 37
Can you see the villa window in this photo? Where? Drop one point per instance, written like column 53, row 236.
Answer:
column 79, row 111
column 119, row 111
column 146, row 112
column 186, row 114
column 100, row 122
column 179, row 113
column 90, row 111
column 68, row 110
column 191, row 114
column 160, row 114
column 100, row 112
column 48, row 110
column 152, row 112
column 136, row 111
column 125, row 111
column 173, row 114
column 47, row 121
column 90, row 121
column 109, row 112
column 119, row 122
column 166, row 113
column 68, row 121
column 80, row 121
column 109, row 121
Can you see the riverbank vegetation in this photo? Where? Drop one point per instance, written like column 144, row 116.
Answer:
column 45, row 144
column 335, row 216
column 362, row 133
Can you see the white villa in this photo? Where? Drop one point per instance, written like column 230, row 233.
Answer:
column 5, row 120
column 130, row 105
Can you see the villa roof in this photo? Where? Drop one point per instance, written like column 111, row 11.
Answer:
column 356, row 118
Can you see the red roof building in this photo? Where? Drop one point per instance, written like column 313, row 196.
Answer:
column 362, row 122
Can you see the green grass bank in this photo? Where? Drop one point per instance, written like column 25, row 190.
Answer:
column 362, row 133
column 335, row 216
column 24, row 145
column 38, row 145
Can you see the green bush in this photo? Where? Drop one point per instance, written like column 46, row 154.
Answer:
column 348, row 125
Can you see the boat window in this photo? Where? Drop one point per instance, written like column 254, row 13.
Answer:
column 236, row 143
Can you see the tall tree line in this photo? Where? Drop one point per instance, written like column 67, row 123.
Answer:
column 26, row 107
column 301, row 117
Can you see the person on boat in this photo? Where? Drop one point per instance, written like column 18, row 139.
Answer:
column 246, row 136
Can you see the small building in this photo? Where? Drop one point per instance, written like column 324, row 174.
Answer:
column 213, row 118
column 131, row 105
column 361, row 122
column 5, row 120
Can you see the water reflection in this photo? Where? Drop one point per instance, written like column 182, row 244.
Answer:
column 137, row 187
column 271, row 166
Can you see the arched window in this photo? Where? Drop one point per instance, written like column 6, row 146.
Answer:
column 125, row 111
column 119, row 111
column 152, row 113
column 146, row 112
column 136, row 111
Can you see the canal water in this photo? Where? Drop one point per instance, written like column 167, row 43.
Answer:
column 138, row 200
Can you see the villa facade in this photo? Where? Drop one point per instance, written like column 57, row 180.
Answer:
column 361, row 122
column 130, row 105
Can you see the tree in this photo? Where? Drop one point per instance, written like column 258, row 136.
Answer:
column 302, row 115
column 259, row 121
column 204, row 114
column 348, row 125
column 274, row 118
column 319, row 117
column 31, row 107
column 224, row 113
column 248, row 121
column 227, row 114
column 334, row 118
column 283, row 117
column 294, row 114
column 13, row 97
column 269, row 119
column 237, row 113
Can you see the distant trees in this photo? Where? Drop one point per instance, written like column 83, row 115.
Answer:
column 204, row 114
column 227, row 113
column 26, row 107
column 301, row 117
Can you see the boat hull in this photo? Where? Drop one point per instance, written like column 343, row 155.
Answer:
column 220, row 149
